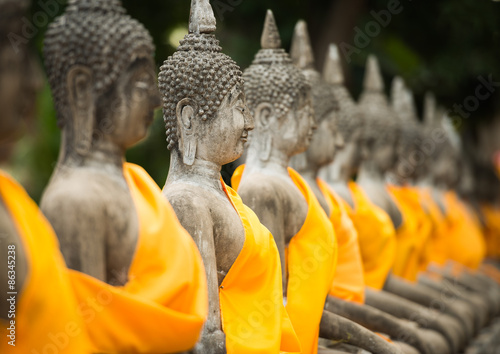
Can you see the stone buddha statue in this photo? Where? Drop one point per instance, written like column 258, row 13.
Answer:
column 279, row 96
column 115, row 229
column 350, row 124
column 343, row 299
column 101, row 71
column 207, row 124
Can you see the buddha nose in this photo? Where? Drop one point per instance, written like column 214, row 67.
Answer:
column 249, row 121
column 339, row 140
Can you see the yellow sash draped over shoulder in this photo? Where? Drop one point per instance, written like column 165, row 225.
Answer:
column 349, row 281
column 311, row 263
column 413, row 234
column 46, row 317
column 437, row 251
column 162, row 307
column 377, row 237
column 254, row 318
column 466, row 243
column 311, row 259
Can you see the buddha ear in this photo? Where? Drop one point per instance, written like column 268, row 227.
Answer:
column 264, row 113
column 186, row 113
column 81, row 104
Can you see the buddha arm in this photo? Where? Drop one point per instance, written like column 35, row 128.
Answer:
column 197, row 221
column 400, row 307
column 378, row 321
column 78, row 224
column 335, row 327
column 432, row 299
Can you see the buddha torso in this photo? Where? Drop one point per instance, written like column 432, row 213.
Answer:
column 214, row 213
column 276, row 200
column 99, row 233
column 379, row 195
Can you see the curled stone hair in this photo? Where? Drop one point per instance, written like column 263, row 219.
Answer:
column 381, row 126
column 350, row 117
column 198, row 71
column 323, row 97
column 272, row 77
column 97, row 34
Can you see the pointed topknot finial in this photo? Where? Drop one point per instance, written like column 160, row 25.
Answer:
column 270, row 35
column 430, row 108
column 373, row 78
column 332, row 71
column 301, row 51
column 398, row 93
column 403, row 102
column 201, row 18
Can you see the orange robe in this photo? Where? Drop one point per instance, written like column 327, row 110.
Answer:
column 254, row 318
column 162, row 307
column 46, row 316
column 349, row 281
column 377, row 237
column 311, row 258
column 437, row 250
column 466, row 244
column 413, row 234
column 491, row 230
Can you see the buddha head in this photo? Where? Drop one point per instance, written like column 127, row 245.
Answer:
column 350, row 120
column 412, row 159
column 444, row 159
column 20, row 76
column 279, row 97
column 204, row 105
column 380, row 136
column 326, row 139
column 102, row 74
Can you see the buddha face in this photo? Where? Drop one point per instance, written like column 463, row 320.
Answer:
column 222, row 138
column 130, row 112
column 20, row 80
column 295, row 130
column 326, row 141
column 384, row 155
column 350, row 155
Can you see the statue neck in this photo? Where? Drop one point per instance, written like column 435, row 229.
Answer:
column 103, row 154
column 339, row 172
column 307, row 168
column 277, row 162
column 369, row 172
column 202, row 173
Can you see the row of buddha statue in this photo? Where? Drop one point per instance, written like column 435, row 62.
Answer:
column 294, row 257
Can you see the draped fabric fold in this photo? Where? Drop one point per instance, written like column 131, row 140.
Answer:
column 254, row 318
column 349, row 281
column 414, row 233
column 46, row 317
column 377, row 237
column 311, row 259
column 162, row 307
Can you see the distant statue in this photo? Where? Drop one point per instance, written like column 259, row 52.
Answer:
column 379, row 142
column 280, row 97
column 348, row 287
column 375, row 230
column 111, row 219
column 207, row 124
column 32, row 269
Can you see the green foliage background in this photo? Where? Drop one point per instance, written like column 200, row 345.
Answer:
column 441, row 46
